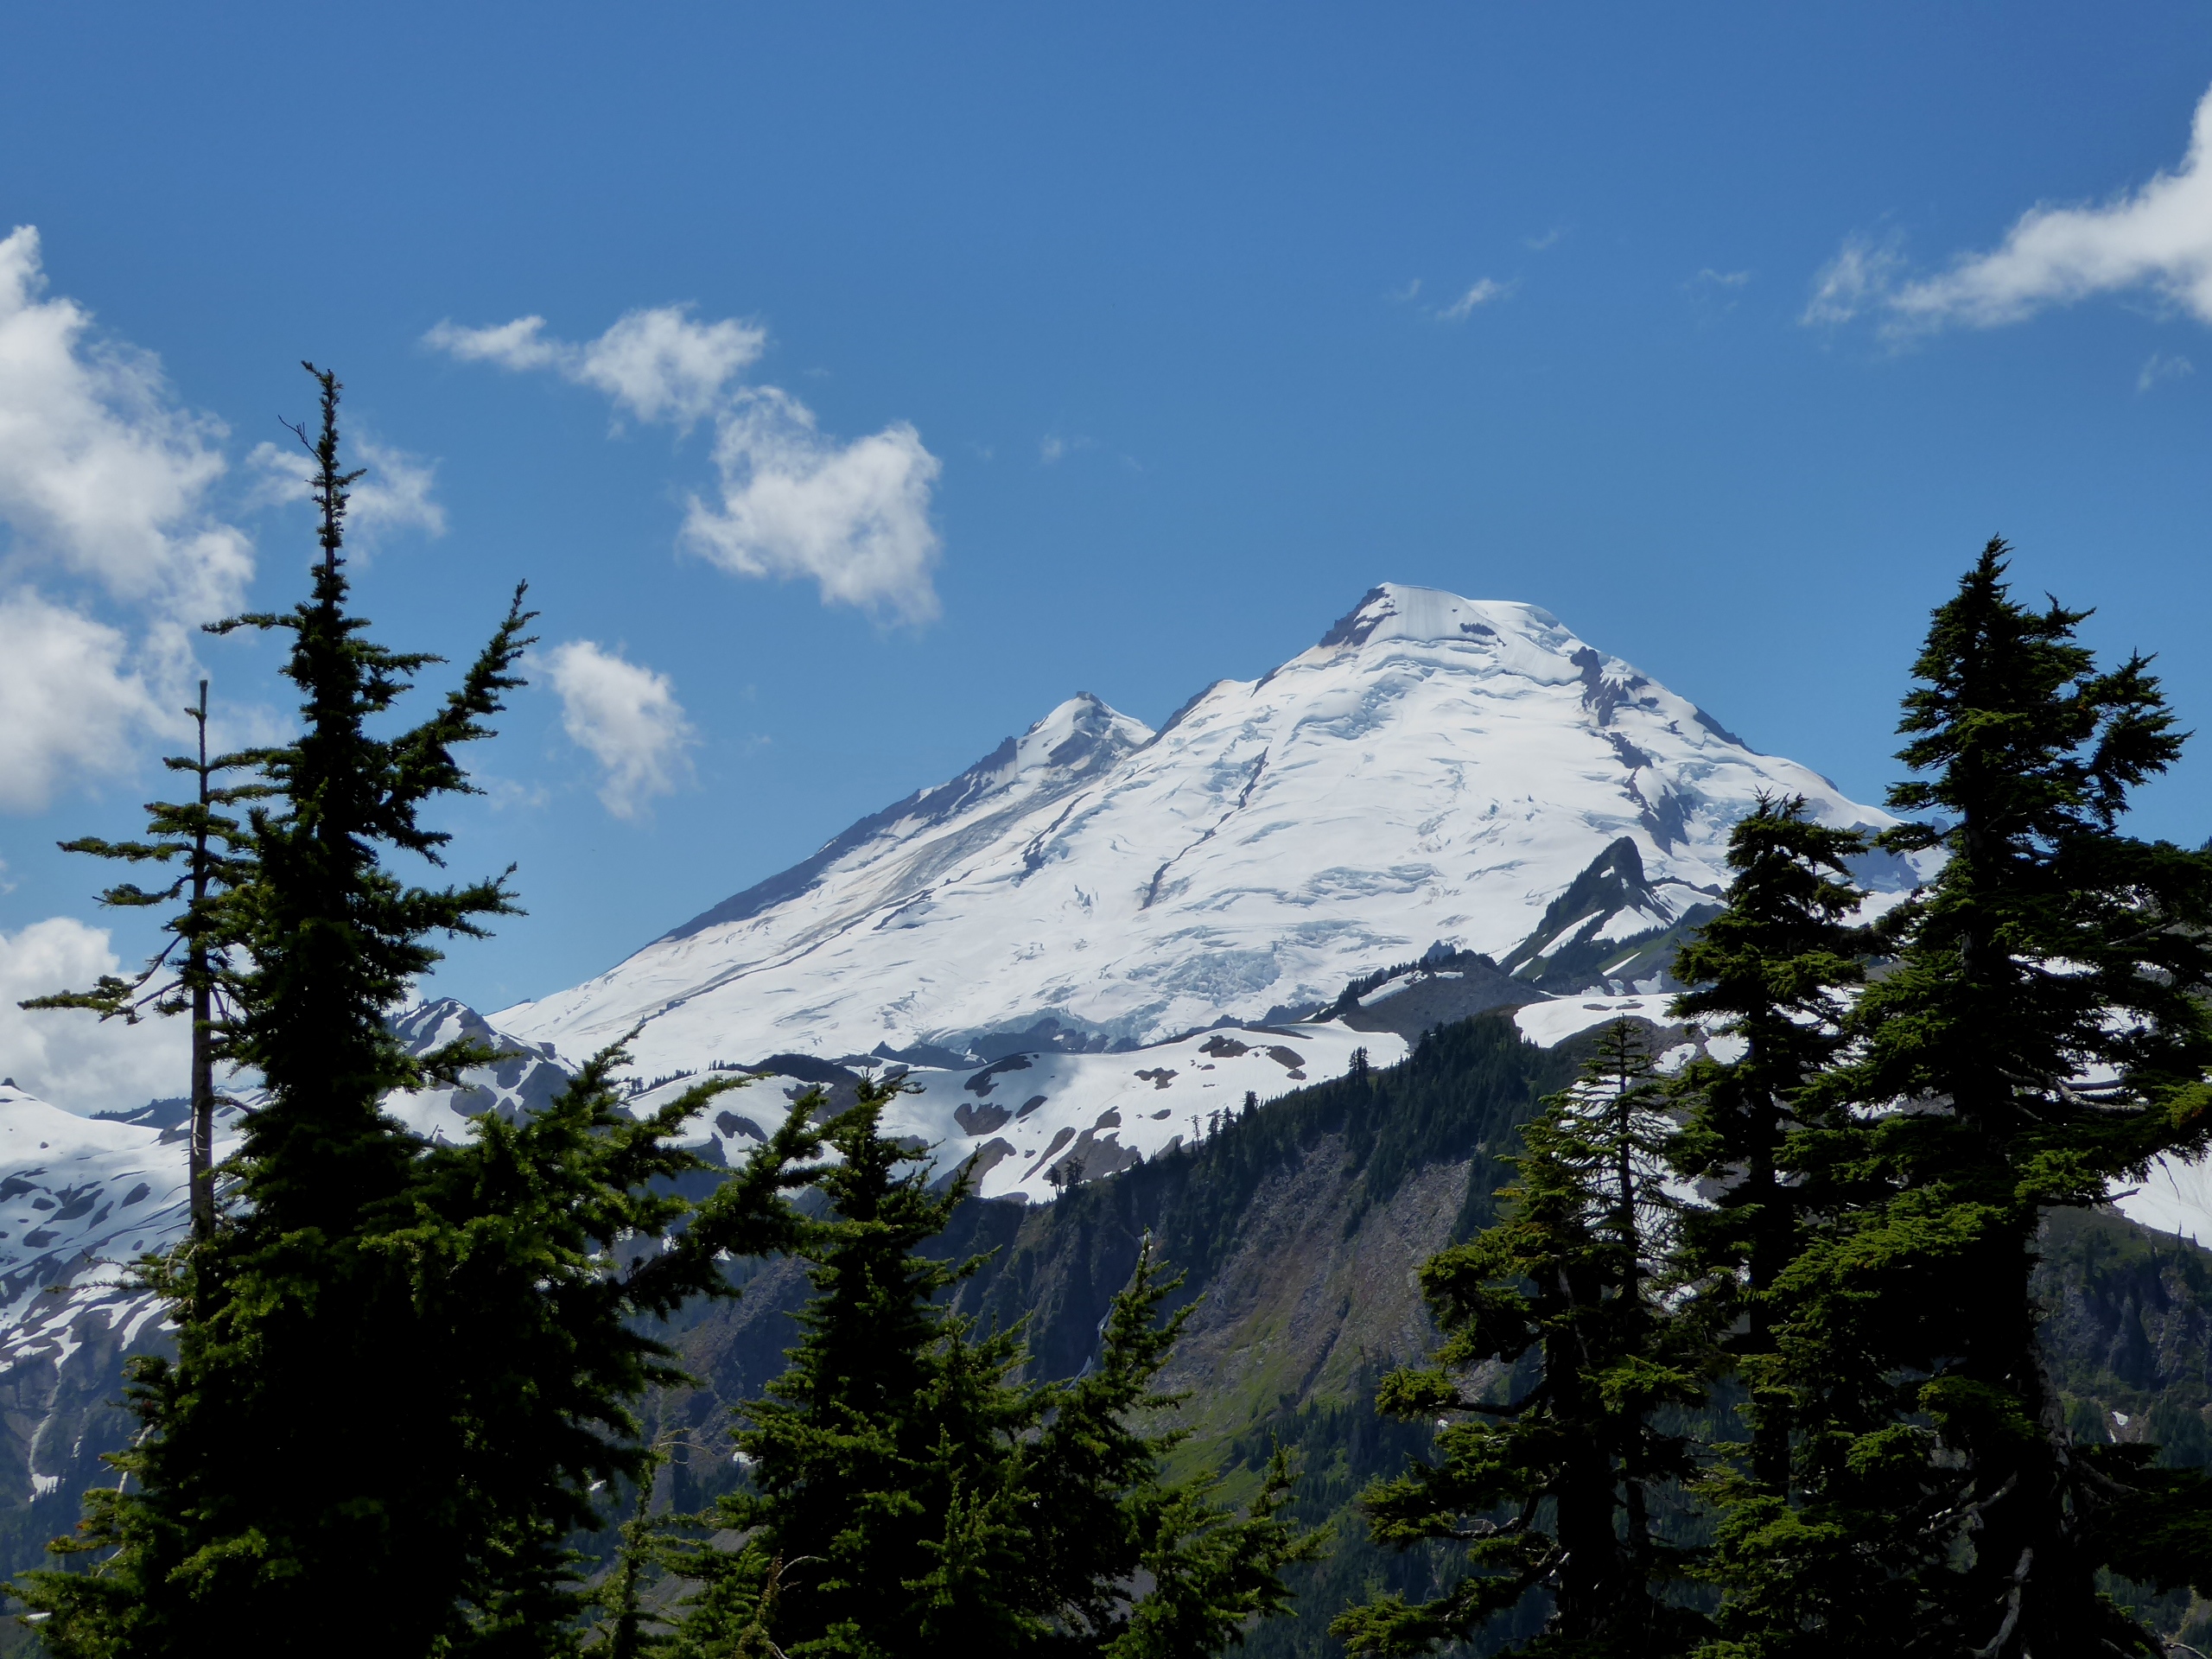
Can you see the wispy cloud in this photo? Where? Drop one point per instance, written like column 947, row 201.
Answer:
column 1550, row 239
column 1486, row 292
column 1714, row 293
column 396, row 495
column 2157, row 238
column 658, row 363
column 1860, row 275
column 626, row 717
column 1052, row 447
column 2159, row 368
column 852, row 517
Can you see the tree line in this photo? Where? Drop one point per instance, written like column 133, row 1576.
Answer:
column 1833, row 1214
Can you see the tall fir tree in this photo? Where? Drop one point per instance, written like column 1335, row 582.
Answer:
column 1815, row 1544
column 2043, row 1031
column 206, row 844
column 540, row 1254
column 399, row 1368
column 1554, row 1487
column 909, row 1495
column 1770, row 975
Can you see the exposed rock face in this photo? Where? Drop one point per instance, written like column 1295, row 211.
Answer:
column 2127, row 1325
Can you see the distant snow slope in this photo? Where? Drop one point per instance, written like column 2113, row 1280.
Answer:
column 1437, row 768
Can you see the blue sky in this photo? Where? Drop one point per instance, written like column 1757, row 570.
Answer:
column 977, row 356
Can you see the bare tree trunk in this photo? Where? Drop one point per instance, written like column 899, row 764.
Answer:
column 200, row 1157
column 202, row 1153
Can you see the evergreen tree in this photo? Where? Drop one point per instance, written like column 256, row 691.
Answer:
column 1769, row 973
column 539, row 1252
column 908, row 1495
column 1554, row 1488
column 1816, row 1543
column 208, row 849
column 2043, row 1031
column 399, row 1368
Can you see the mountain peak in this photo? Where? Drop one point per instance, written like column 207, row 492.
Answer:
column 1437, row 768
column 1393, row 610
column 1084, row 729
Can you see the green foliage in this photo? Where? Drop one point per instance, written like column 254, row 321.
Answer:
column 1772, row 971
column 1553, row 1485
column 910, row 1495
column 540, row 1254
column 2127, row 1328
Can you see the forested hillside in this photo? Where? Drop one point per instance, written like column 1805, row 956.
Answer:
column 1299, row 1227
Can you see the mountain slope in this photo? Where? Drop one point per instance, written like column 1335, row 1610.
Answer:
column 1437, row 769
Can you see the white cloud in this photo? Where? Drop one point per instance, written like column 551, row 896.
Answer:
column 2159, row 368
column 627, row 717
column 396, row 495
column 662, row 366
column 852, row 517
column 104, row 492
column 518, row 345
column 1481, row 294
column 658, row 363
column 69, row 708
column 68, row 1056
column 2158, row 238
column 1712, row 278
column 100, row 474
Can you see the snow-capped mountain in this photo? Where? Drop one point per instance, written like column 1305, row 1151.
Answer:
column 1098, row 942
column 1436, row 769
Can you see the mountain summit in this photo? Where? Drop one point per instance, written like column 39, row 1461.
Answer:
column 1436, row 770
